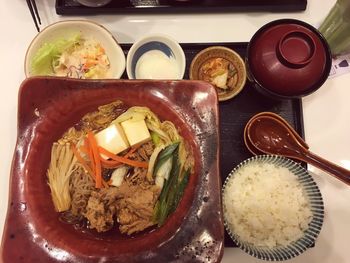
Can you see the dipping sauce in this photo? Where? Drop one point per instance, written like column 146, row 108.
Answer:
column 155, row 64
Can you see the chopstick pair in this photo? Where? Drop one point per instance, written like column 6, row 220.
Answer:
column 34, row 12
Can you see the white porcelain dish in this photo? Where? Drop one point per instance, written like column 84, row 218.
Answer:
column 88, row 29
column 156, row 57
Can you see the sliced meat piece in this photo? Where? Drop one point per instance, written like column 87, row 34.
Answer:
column 101, row 209
column 135, row 226
column 136, row 210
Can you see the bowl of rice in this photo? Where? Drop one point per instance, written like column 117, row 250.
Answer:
column 273, row 209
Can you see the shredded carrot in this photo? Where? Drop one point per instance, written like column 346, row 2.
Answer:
column 109, row 162
column 84, row 149
column 89, row 63
column 110, row 165
column 122, row 159
column 114, row 164
column 96, row 160
column 82, row 161
column 90, row 154
column 101, row 49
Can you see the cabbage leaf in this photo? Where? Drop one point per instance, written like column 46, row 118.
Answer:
column 43, row 59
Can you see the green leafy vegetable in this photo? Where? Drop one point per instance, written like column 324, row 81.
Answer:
column 173, row 188
column 155, row 138
column 181, row 188
column 42, row 61
column 164, row 155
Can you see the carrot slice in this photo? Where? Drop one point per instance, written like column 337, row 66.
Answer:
column 122, row 159
column 82, row 161
column 111, row 165
column 84, row 149
column 114, row 164
column 96, row 160
column 90, row 153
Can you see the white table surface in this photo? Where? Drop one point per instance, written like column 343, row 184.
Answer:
column 326, row 112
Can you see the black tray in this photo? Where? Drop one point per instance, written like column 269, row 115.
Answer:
column 235, row 113
column 71, row 7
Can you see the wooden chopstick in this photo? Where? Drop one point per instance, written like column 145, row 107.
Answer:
column 34, row 12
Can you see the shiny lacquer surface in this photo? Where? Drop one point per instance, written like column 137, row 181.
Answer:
column 272, row 136
column 47, row 107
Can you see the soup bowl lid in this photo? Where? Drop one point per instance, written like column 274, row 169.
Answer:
column 289, row 57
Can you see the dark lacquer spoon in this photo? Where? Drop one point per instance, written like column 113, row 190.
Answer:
column 252, row 148
column 271, row 136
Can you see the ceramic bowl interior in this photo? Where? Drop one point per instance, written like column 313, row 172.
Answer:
column 314, row 197
column 220, row 52
column 47, row 108
column 88, row 29
column 164, row 44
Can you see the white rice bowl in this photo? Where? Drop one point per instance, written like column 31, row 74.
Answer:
column 269, row 204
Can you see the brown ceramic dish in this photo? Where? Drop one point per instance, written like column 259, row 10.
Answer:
column 288, row 58
column 47, row 107
column 207, row 55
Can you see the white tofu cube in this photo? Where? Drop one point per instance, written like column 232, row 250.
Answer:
column 136, row 131
column 112, row 139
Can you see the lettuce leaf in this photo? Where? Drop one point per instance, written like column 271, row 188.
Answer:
column 41, row 63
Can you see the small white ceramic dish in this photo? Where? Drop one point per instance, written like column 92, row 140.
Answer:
column 156, row 57
column 88, row 29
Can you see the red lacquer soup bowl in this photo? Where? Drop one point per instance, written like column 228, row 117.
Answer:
column 47, row 107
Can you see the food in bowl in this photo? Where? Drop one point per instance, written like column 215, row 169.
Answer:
column 43, row 100
column 156, row 57
column 155, row 64
column 119, row 166
column 223, row 68
column 265, row 205
column 221, row 73
column 77, row 57
column 76, row 49
column 273, row 209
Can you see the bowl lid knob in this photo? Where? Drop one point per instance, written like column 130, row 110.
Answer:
column 296, row 49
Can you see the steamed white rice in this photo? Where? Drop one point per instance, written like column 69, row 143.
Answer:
column 265, row 205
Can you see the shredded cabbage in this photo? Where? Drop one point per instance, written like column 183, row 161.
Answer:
column 42, row 62
column 74, row 57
